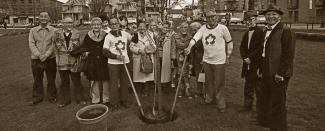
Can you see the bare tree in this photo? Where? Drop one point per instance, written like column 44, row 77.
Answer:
column 97, row 7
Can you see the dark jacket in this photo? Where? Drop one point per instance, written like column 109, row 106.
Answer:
column 279, row 52
column 195, row 58
column 96, row 62
column 253, row 52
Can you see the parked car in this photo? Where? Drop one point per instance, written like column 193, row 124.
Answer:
column 236, row 20
column 261, row 19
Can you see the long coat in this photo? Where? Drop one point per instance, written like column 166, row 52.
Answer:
column 96, row 62
column 168, row 53
column 141, row 44
column 251, row 52
column 279, row 52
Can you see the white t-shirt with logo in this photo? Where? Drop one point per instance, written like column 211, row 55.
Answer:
column 113, row 43
column 214, row 43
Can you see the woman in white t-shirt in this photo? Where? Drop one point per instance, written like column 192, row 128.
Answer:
column 116, row 49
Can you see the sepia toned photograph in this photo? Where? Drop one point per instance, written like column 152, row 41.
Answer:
column 162, row 65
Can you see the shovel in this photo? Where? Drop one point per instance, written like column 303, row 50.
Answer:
column 134, row 91
column 177, row 89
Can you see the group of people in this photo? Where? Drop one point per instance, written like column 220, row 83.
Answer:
column 110, row 49
column 267, row 55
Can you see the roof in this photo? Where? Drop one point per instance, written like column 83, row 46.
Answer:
column 76, row 2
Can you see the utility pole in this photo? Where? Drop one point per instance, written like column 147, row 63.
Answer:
column 34, row 12
column 192, row 4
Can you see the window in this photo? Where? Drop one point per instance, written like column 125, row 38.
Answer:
column 296, row 16
column 293, row 4
column 290, row 14
column 319, row 12
column 15, row 20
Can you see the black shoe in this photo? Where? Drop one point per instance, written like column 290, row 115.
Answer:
column 246, row 109
column 52, row 100
column 82, row 103
column 37, row 101
column 262, row 124
column 203, row 102
column 124, row 104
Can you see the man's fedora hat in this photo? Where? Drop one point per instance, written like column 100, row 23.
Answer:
column 272, row 7
column 250, row 14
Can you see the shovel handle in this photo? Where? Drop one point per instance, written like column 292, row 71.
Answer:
column 134, row 91
column 177, row 89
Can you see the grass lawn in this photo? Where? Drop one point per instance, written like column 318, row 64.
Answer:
column 305, row 97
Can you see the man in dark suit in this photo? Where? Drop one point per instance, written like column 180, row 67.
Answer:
column 277, row 68
column 249, row 49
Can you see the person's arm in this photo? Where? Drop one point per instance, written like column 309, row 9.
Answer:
column 288, row 51
column 173, row 48
column 134, row 49
column 191, row 58
column 229, row 42
column 258, row 49
column 242, row 49
column 32, row 44
column 198, row 36
column 106, row 52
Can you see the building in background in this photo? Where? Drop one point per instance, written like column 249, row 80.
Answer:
column 78, row 10
column 4, row 11
column 127, row 8
column 303, row 11
column 25, row 12
column 153, row 9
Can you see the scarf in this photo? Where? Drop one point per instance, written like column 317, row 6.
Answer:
column 98, row 38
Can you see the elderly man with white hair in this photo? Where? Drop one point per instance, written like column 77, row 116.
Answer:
column 217, row 45
column 66, row 40
column 40, row 42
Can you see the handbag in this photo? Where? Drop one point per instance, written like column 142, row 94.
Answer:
column 80, row 65
column 146, row 65
column 201, row 77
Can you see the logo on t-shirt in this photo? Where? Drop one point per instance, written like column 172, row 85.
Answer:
column 210, row 39
column 120, row 45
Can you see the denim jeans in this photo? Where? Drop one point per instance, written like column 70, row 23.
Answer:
column 38, row 69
